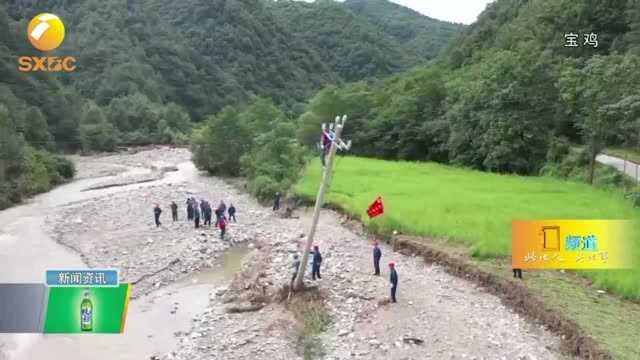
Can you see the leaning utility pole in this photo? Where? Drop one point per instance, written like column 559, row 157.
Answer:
column 336, row 143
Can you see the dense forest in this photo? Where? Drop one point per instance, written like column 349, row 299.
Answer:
column 150, row 71
column 366, row 39
column 508, row 95
column 505, row 94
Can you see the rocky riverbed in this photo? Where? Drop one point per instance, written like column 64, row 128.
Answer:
column 450, row 317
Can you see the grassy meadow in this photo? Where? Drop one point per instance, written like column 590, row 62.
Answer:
column 468, row 207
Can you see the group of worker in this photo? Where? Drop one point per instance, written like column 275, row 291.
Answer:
column 195, row 211
column 377, row 255
column 202, row 210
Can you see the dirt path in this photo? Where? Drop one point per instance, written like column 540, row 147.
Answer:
column 453, row 317
column 630, row 168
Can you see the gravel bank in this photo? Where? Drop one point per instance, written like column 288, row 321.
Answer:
column 453, row 317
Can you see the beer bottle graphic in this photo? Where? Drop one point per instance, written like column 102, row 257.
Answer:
column 86, row 313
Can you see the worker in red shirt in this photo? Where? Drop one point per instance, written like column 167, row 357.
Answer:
column 222, row 224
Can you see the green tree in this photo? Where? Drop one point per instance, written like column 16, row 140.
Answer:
column 218, row 147
column 595, row 93
column 355, row 100
column 275, row 162
column 11, row 146
column 177, row 119
column 96, row 133
column 632, row 38
column 499, row 122
column 34, row 175
column 260, row 115
column 36, row 130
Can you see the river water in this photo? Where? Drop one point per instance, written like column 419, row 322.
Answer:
column 27, row 251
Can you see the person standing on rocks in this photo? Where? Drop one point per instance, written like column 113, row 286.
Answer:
column 196, row 215
column 206, row 212
column 276, row 202
column 377, row 254
column 209, row 213
column 189, row 209
column 217, row 212
column 232, row 212
column 222, row 208
column 174, row 211
column 156, row 213
column 222, row 224
column 296, row 267
column 517, row 273
column 393, row 280
column 315, row 266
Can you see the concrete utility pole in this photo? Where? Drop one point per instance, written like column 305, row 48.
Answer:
column 326, row 176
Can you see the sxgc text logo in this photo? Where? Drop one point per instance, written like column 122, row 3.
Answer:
column 46, row 32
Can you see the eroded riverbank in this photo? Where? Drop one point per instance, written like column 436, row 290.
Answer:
column 113, row 227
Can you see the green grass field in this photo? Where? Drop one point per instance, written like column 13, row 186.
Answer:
column 469, row 207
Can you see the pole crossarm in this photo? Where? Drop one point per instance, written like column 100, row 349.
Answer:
column 341, row 144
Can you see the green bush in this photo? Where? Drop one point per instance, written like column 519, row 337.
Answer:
column 136, row 138
column 37, row 172
column 219, row 145
column 65, row 167
column 634, row 195
column 101, row 136
column 181, row 139
column 263, row 187
column 558, row 150
column 7, row 195
column 276, row 156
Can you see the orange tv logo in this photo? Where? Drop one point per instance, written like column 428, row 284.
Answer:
column 46, row 32
column 551, row 238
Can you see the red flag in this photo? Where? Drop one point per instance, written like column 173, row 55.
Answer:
column 376, row 208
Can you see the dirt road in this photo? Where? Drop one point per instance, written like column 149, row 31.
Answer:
column 629, row 168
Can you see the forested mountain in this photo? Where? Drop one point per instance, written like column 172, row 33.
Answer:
column 358, row 40
column 148, row 70
column 508, row 94
column 205, row 54
column 420, row 37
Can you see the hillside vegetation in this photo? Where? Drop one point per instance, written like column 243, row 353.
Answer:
column 419, row 38
column 505, row 93
column 149, row 71
column 381, row 37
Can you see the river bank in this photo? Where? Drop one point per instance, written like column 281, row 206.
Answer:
column 113, row 227
column 68, row 226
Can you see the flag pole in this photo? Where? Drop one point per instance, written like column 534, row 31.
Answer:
column 326, row 175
